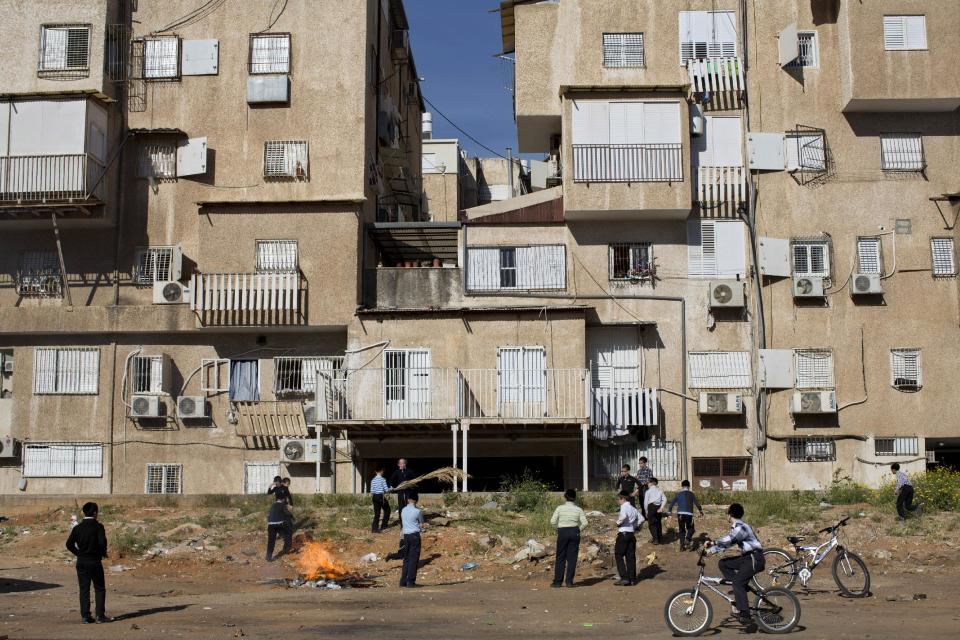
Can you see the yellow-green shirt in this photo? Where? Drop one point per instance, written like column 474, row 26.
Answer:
column 568, row 515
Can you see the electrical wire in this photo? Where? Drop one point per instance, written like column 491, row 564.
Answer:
column 275, row 20
column 458, row 128
column 198, row 14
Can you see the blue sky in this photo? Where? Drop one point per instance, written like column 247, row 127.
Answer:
column 454, row 43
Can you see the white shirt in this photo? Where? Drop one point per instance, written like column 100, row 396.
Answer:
column 653, row 496
column 629, row 518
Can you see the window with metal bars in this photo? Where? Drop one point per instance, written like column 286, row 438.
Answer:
column 508, row 268
column 807, row 45
column 163, row 478
column 814, row 368
column 623, row 50
column 811, row 258
column 276, row 256
column 722, row 473
column 297, row 375
column 806, row 152
column 147, row 374
column 896, row 446
column 62, row 460
column 943, row 257
column 869, row 256
column 38, row 275
column 64, row 51
column 152, row 264
column 811, row 449
column 541, row 267
column 286, row 159
column 406, row 382
column 720, row 370
column 902, row 152
column 161, row 58
column 66, row 371
column 269, row 53
column 630, row 261
column 905, row 370
column 157, row 160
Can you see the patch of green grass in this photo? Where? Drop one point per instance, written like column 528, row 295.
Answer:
column 216, row 500
column 605, row 501
column 339, row 500
column 124, row 542
column 525, row 492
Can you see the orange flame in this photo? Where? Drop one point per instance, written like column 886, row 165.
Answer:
column 316, row 562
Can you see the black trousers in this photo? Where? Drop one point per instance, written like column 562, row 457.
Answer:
column 625, row 551
column 380, row 503
column 685, row 524
column 568, row 548
column 401, row 502
column 738, row 570
column 91, row 571
column 653, row 522
column 905, row 504
column 411, row 558
column 273, row 530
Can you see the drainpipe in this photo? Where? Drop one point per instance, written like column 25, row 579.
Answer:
column 113, row 407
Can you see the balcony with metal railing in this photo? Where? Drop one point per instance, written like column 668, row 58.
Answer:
column 721, row 189
column 248, row 299
column 614, row 411
column 50, row 183
column 717, row 82
column 523, row 395
column 627, row 162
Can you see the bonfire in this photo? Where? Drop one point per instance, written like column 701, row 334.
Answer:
column 316, row 562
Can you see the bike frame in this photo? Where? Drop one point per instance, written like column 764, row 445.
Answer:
column 712, row 583
column 815, row 554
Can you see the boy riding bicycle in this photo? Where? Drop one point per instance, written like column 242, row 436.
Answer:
column 738, row 570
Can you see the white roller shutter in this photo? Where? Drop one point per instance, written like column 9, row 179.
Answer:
column 591, row 122
column 661, row 123
column 701, row 249
column 483, row 269
column 730, row 248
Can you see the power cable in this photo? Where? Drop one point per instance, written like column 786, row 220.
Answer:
column 196, row 15
column 458, row 128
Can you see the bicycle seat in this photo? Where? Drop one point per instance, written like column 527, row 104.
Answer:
column 795, row 539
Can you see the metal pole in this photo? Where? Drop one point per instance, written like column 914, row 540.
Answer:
column 584, row 428
column 453, row 429
column 319, row 430
column 333, row 462
column 510, row 170
column 63, row 268
column 466, row 431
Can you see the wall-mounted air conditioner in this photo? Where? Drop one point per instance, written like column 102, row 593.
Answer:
column 191, row 407
column 8, row 446
column 814, row 402
column 169, row 292
column 720, row 403
column 7, row 364
column 726, row 294
column 866, row 284
column 808, row 287
column 144, row 406
column 297, row 450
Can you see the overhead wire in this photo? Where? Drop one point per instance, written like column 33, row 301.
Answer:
column 460, row 129
column 198, row 14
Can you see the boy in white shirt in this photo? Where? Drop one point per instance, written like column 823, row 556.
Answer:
column 625, row 548
column 653, row 503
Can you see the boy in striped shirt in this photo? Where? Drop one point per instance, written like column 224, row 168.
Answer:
column 378, row 491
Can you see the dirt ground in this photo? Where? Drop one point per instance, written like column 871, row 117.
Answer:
column 212, row 582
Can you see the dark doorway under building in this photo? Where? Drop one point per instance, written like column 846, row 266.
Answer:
column 945, row 453
column 486, row 474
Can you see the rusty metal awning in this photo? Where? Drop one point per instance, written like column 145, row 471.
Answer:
column 283, row 418
column 400, row 241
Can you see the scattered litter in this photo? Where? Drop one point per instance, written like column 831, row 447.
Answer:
column 239, row 633
column 588, row 625
column 651, row 558
column 332, row 585
column 119, row 568
column 825, row 505
column 595, row 514
column 469, row 566
column 490, row 505
column 370, row 557
column 882, row 554
column 624, row 619
column 207, row 608
column 919, row 596
column 135, row 626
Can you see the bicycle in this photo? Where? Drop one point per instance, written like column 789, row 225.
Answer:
column 783, row 569
column 688, row 612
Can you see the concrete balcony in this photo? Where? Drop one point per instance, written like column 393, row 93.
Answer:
column 247, row 299
column 38, row 185
column 413, row 287
column 721, row 189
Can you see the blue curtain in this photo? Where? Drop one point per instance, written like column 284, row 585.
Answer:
column 244, row 380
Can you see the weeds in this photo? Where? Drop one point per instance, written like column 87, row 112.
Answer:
column 339, row 500
column 216, row 500
column 525, row 492
column 124, row 542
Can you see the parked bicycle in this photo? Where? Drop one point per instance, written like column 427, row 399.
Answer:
column 783, row 568
column 688, row 612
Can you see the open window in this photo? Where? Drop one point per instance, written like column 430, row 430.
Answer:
column 286, row 159
column 157, row 264
column 631, row 261
column 150, row 374
column 811, row 449
column 163, row 158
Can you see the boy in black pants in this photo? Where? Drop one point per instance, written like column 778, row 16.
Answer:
column 411, row 520
column 904, row 492
column 88, row 541
column 685, row 501
column 738, row 570
column 279, row 522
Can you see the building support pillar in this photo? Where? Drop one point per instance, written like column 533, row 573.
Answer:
column 319, row 430
column 584, row 430
column 453, row 429
column 333, row 462
column 466, row 430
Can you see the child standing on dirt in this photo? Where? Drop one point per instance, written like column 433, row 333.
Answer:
column 88, row 542
column 378, row 491
column 653, row 502
column 685, row 501
column 411, row 519
column 568, row 518
column 279, row 522
column 625, row 548
column 904, row 492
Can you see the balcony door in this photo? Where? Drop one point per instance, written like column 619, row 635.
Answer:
column 617, row 400
column 406, row 384
column 720, row 144
column 521, row 382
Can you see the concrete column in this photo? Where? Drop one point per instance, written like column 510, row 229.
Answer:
column 454, row 428
column 584, row 430
column 466, row 430
column 333, row 462
column 319, row 454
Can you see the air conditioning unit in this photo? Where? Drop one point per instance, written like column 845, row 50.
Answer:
column 814, row 402
column 7, row 364
column 807, row 287
column 300, row 450
column 8, row 446
column 144, row 406
column 169, row 292
column 191, row 407
column 866, row 284
column 720, row 403
column 726, row 294
column 400, row 44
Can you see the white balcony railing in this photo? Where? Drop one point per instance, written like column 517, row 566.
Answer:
column 716, row 75
column 552, row 394
column 246, row 298
column 614, row 411
column 387, row 395
column 627, row 162
column 50, row 179
column 721, row 185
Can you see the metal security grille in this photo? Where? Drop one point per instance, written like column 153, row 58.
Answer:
column 806, row 152
column 623, row 50
column 902, row 152
column 276, row 256
column 161, row 58
column 722, row 473
column 270, row 53
column 62, row 460
column 942, row 253
column 522, row 376
column 257, row 476
column 64, row 51
column 117, row 53
column 526, row 268
column 163, row 478
column 406, row 383
column 814, row 368
column 811, row 258
column 157, row 160
column 905, row 368
column 720, row 370
column 630, row 261
column 653, row 162
column 146, row 374
column 297, row 375
column 66, row 371
column 896, row 446
column 663, row 457
column 38, row 275
column 811, row 449
column 286, row 159
column 868, row 255
column 807, row 44
column 152, row 264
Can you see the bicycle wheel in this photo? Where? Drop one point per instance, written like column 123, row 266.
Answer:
column 686, row 616
column 780, row 571
column 851, row 574
column 777, row 611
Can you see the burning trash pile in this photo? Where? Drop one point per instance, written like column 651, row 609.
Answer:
column 320, row 569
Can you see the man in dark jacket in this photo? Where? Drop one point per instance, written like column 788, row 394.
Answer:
column 279, row 522
column 88, row 541
column 627, row 482
column 401, row 474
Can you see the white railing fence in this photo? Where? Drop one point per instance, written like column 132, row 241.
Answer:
column 721, row 185
column 614, row 411
column 395, row 394
column 247, row 298
column 49, row 178
column 523, row 393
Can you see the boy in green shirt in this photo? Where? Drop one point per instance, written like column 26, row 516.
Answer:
column 568, row 518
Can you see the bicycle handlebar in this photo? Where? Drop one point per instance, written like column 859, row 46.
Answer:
column 842, row 523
